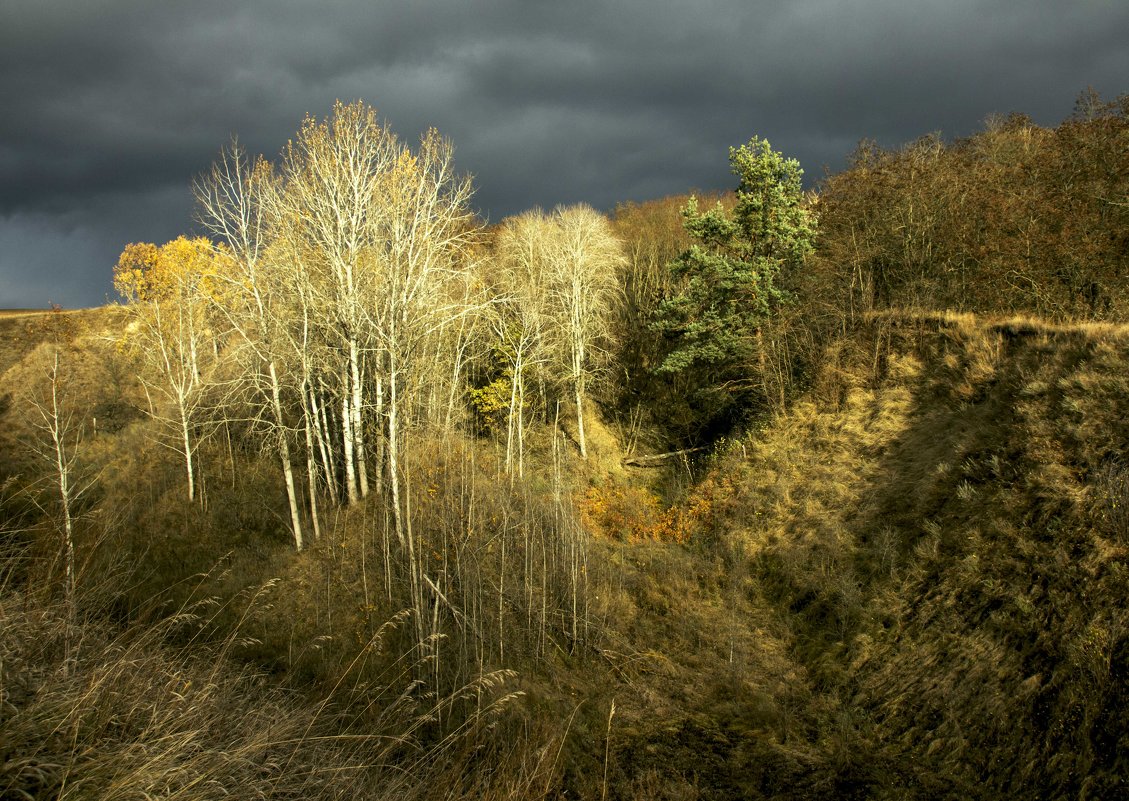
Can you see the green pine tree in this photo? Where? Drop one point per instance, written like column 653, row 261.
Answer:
column 729, row 278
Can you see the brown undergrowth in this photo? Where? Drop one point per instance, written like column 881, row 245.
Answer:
column 94, row 709
column 911, row 583
column 937, row 532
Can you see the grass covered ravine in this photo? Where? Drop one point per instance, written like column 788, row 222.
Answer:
column 911, row 582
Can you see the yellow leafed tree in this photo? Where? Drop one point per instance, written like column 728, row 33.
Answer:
column 167, row 290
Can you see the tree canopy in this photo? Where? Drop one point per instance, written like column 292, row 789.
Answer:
column 729, row 277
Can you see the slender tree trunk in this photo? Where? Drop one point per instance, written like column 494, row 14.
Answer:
column 57, row 429
column 230, row 451
column 321, row 434
column 501, row 597
column 68, row 546
column 291, row 494
column 284, row 455
column 456, row 371
column 311, row 462
column 520, row 425
column 394, row 453
column 578, row 390
column 510, row 424
column 192, row 349
column 416, row 559
column 381, row 437
column 358, row 422
column 580, row 423
column 186, row 436
column 347, row 443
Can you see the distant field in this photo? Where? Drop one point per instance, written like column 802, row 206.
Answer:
column 4, row 313
column 21, row 312
column 21, row 329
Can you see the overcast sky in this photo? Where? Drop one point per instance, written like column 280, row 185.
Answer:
column 109, row 108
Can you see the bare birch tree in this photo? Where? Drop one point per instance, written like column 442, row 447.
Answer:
column 519, row 322
column 582, row 291
column 60, row 447
column 235, row 201
column 335, row 176
column 55, row 435
column 168, row 305
column 427, row 235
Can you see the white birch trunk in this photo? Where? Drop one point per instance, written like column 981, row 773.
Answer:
column 320, row 435
column 520, row 425
column 186, row 436
column 357, row 421
column 57, row 429
column 284, row 455
column 394, row 456
column 312, row 467
column 578, row 385
column 381, row 436
column 347, row 443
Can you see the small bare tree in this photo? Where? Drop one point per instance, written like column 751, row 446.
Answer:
column 56, row 438
column 168, row 306
column 582, row 291
column 236, row 201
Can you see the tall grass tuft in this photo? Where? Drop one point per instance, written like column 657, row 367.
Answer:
column 155, row 709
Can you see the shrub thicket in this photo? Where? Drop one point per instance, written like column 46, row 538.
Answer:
column 1017, row 218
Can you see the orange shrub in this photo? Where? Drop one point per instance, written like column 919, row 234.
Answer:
column 633, row 515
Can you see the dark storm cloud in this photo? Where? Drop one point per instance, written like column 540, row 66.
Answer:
column 110, row 108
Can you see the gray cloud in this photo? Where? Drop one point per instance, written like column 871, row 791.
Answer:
column 112, row 107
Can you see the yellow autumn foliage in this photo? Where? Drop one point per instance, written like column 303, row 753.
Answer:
column 147, row 273
column 635, row 515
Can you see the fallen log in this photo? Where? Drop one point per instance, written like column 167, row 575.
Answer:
column 656, row 460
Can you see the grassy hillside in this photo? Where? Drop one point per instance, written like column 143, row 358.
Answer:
column 1007, row 643
column 910, row 583
column 939, row 529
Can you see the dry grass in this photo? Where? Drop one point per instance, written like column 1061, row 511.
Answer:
column 1010, row 325
column 95, row 710
column 942, row 525
column 9, row 313
column 94, row 713
column 909, row 584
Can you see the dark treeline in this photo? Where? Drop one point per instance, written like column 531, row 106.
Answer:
column 1017, row 218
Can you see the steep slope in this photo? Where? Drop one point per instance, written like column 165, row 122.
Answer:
column 1007, row 663
column 942, row 528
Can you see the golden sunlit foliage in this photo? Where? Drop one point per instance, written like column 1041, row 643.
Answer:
column 148, row 274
